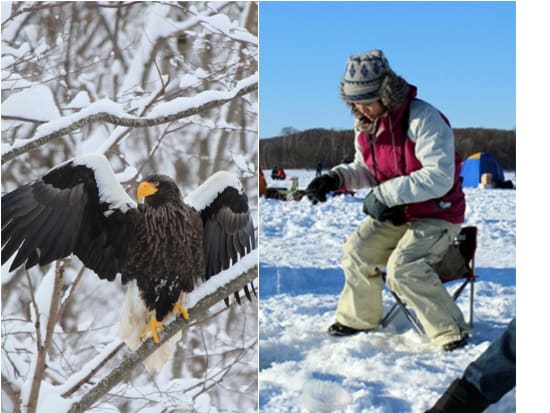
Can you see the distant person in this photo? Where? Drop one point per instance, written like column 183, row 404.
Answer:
column 278, row 173
column 319, row 169
column 262, row 184
column 405, row 152
column 485, row 381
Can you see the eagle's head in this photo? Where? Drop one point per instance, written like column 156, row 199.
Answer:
column 158, row 190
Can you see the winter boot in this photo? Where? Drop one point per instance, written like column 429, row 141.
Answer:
column 460, row 397
column 341, row 330
column 456, row 344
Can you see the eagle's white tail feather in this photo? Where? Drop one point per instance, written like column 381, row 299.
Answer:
column 134, row 320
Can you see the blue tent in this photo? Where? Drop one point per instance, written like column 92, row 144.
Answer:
column 478, row 164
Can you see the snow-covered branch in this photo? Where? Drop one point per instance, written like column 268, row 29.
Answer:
column 110, row 112
column 205, row 299
column 158, row 87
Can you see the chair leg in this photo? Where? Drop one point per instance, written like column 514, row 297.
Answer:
column 400, row 306
column 390, row 315
column 457, row 293
column 471, row 321
column 459, row 290
column 413, row 320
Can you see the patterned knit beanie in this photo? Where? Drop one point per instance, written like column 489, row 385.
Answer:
column 369, row 78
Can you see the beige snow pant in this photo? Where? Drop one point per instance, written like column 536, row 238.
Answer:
column 407, row 252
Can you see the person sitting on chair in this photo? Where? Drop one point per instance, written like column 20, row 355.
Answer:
column 404, row 151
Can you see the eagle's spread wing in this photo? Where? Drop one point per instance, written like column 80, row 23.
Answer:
column 228, row 226
column 77, row 207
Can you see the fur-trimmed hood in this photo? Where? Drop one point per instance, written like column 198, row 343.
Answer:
column 395, row 93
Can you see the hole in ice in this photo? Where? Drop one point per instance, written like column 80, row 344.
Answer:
column 324, row 396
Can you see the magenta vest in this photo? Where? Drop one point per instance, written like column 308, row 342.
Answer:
column 390, row 156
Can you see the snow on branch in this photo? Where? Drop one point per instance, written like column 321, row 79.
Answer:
column 108, row 111
column 240, row 275
column 220, row 23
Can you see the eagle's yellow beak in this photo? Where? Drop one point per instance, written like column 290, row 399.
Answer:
column 145, row 189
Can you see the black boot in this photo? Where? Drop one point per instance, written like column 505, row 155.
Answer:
column 456, row 344
column 460, row 397
column 341, row 330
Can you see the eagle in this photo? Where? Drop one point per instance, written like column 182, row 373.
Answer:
column 161, row 246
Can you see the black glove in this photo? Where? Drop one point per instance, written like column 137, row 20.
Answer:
column 396, row 215
column 376, row 209
column 318, row 189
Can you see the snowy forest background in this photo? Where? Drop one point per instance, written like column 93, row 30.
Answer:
column 157, row 87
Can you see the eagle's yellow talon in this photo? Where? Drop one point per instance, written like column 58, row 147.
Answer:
column 153, row 328
column 178, row 309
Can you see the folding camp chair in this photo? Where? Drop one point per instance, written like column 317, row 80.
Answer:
column 457, row 265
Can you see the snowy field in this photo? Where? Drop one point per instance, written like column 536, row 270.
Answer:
column 394, row 370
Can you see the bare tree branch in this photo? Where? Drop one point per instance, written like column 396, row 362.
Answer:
column 65, row 301
column 49, row 5
column 22, row 119
column 148, row 347
column 121, row 121
column 42, row 347
column 34, row 8
column 154, row 98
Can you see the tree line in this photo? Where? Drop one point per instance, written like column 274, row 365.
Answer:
column 305, row 149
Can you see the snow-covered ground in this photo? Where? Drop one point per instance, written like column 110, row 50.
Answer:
column 394, row 370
